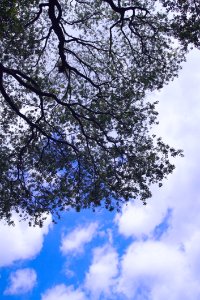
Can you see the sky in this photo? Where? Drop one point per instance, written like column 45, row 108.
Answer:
column 143, row 253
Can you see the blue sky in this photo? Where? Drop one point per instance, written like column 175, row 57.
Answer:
column 144, row 253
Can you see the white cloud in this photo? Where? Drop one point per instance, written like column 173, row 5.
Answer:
column 138, row 220
column 179, row 124
column 63, row 292
column 21, row 241
column 192, row 250
column 169, row 268
column 75, row 241
column 179, row 106
column 158, row 270
column 100, row 278
column 179, row 111
column 22, row 281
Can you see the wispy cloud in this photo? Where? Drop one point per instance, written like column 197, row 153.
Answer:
column 75, row 241
column 21, row 282
column 63, row 292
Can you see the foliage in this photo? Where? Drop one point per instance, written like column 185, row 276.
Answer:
column 75, row 122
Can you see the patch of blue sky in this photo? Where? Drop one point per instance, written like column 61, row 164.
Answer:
column 142, row 293
column 163, row 226
column 51, row 266
column 5, row 282
column 54, row 268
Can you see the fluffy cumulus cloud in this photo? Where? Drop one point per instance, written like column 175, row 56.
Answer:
column 155, row 270
column 75, row 241
column 22, row 281
column 63, row 292
column 21, row 241
column 138, row 220
column 101, row 277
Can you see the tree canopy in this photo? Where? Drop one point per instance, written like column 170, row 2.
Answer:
column 75, row 126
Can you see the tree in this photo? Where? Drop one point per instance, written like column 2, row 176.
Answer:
column 75, row 120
